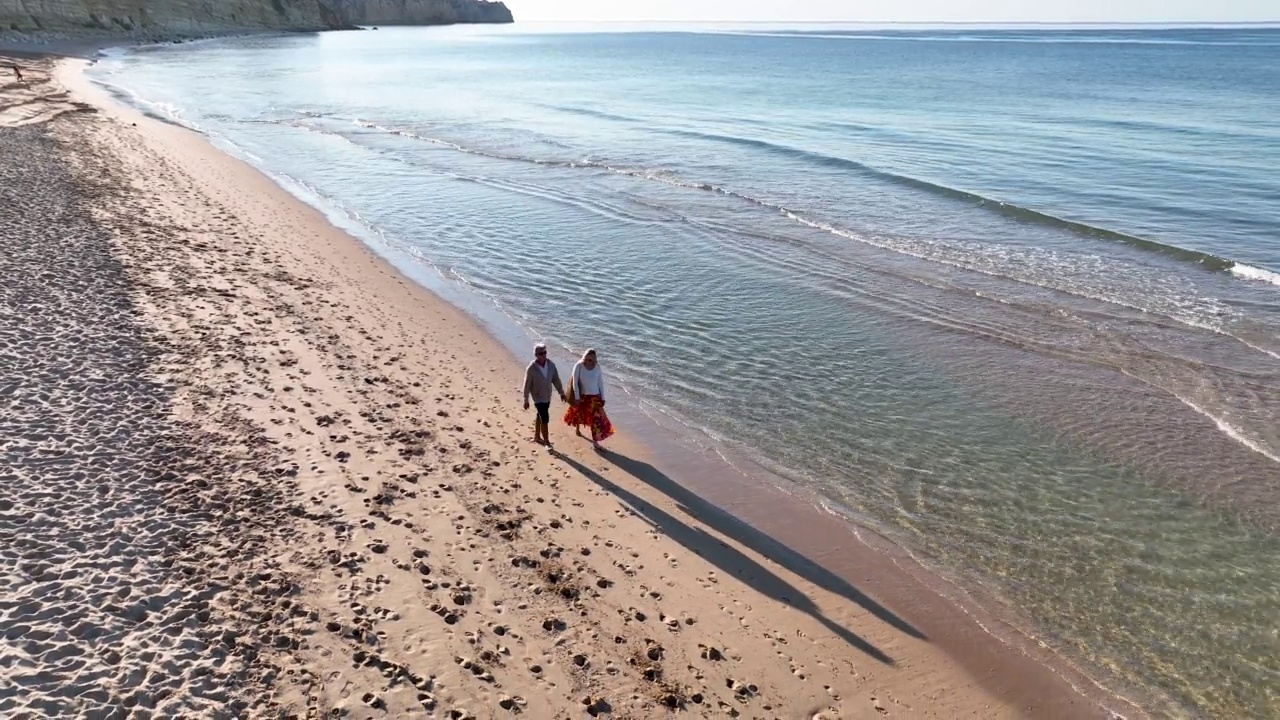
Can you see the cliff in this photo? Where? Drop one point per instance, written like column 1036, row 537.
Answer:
column 165, row 18
column 193, row 18
column 420, row 12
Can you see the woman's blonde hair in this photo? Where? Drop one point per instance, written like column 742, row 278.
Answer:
column 588, row 353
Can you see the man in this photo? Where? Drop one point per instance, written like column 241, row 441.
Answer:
column 539, row 378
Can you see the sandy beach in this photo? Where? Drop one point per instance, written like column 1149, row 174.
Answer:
column 253, row 471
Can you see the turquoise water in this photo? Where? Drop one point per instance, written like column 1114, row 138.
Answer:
column 1010, row 296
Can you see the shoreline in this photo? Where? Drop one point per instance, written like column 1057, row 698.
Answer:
column 87, row 46
column 711, row 481
column 942, row 660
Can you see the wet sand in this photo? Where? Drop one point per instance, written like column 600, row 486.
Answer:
column 257, row 471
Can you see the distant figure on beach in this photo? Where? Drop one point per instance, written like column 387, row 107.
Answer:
column 18, row 71
column 539, row 378
column 586, row 402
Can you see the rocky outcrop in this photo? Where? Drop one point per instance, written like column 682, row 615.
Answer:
column 420, row 12
column 172, row 18
column 195, row 18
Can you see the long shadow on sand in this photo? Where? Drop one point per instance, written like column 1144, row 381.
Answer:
column 729, row 559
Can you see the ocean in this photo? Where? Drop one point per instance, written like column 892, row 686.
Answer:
column 1008, row 296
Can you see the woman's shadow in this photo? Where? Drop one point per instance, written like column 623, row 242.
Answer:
column 734, row 562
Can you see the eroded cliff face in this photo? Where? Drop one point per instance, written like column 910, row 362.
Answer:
column 165, row 17
column 191, row 18
column 420, row 12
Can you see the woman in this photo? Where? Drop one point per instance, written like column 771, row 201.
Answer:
column 587, row 405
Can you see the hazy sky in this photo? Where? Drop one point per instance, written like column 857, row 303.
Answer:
column 902, row 10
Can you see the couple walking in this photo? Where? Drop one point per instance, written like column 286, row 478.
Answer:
column 585, row 396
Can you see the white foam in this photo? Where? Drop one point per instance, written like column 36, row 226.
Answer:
column 1249, row 272
column 1233, row 432
column 113, row 53
column 1224, row 427
column 162, row 110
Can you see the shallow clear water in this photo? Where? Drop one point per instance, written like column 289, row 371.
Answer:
column 1012, row 297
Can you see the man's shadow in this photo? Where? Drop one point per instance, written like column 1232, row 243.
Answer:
column 732, row 561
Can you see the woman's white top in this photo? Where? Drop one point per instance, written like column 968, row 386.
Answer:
column 590, row 382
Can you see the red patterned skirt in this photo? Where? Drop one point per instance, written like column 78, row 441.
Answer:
column 589, row 411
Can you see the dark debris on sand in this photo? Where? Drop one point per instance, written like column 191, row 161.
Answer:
column 132, row 577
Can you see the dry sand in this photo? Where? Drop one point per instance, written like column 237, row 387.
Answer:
column 251, row 470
